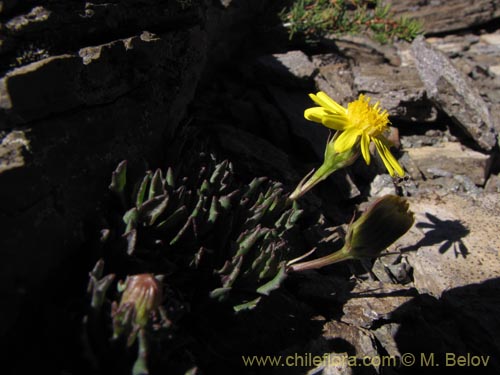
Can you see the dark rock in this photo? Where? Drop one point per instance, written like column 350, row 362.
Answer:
column 109, row 91
column 451, row 91
column 65, row 82
column 250, row 150
column 63, row 27
column 19, row 177
column 293, row 104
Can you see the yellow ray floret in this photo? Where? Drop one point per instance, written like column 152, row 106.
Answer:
column 359, row 123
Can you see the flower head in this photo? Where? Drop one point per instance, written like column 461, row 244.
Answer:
column 359, row 123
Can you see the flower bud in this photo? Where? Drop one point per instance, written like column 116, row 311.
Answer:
column 141, row 297
column 387, row 219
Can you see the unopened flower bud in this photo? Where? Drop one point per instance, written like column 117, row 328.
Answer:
column 141, row 297
column 387, row 219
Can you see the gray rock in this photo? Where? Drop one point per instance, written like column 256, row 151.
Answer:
column 336, row 80
column 493, row 184
column 444, row 185
column 333, row 364
column 294, row 68
column 451, row 158
column 452, row 92
column 430, row 138
column 399, row 90
column 492, row 39
column 453, row 45
column 385, row 335
column 366, row 305
column 392, row 268
column 382, row 185
column 450, row 15
column 35, row 15
column 454, row 241
column 362, row 48
column 13, row 151
column 361, row 339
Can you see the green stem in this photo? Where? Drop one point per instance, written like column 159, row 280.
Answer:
column 338, row 256
column 322, row 173
column 333, row 162
column 140, row 365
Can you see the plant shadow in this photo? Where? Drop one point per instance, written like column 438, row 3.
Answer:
column 448, row 233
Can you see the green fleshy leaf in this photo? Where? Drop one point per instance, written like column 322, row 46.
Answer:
column 253, row 186
column 250, row 240
column 150, row 210
column 205, row 187
column 131, row 237
column 225, row 201
column 214, row 212
column 250, row 305
column 156, row 187
column 141, row 191
column 219, row 173
column 170, row 179
column 219, row 293
column 294, row 217
column 98, row 289
column 275, row 283
column 174, row 219
column 119, row 178
column 131, row 218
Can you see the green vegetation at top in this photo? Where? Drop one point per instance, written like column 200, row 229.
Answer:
column 313, row 19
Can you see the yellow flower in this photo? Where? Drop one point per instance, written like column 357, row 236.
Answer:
column 360, row 123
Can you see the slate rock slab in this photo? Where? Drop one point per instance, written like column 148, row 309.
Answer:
column 452, row 92
column 453, row 159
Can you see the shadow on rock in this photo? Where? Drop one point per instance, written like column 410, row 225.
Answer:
column 458, row 332
column 447, row 232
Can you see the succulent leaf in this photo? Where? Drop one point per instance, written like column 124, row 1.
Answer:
column 119, row 178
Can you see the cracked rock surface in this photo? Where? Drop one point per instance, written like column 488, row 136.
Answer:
column 85, row 85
